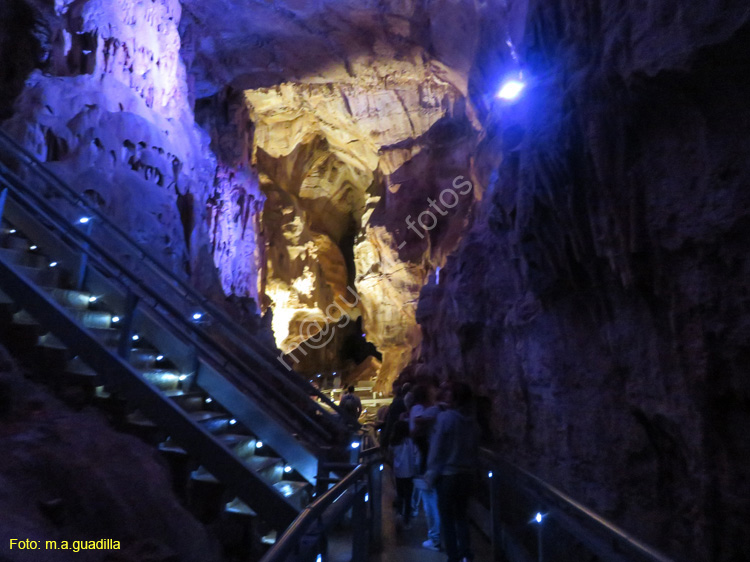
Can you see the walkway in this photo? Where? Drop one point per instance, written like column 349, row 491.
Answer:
column 403, row 546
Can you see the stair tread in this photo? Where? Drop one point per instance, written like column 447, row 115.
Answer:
column 239, row 507
column 50, row 341
column 203, row 475
column 23, row 317
column 78, row 367
column 137, row 418
column 171, row 447
column 290, row 487
column 69, row 297
column 203, row 415
column 232, row 440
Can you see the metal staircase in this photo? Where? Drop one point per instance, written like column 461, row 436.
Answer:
column 110, row 317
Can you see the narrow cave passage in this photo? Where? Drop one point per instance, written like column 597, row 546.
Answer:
column 217, row 216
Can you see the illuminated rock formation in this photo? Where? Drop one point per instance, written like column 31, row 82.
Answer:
column 110, row 114
column 343, row 163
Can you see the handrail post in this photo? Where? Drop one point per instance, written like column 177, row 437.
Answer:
column 313, row 537
column 360, row 550
column 125, row 344
column 3, row 197
column 539, row 543
column 83, row 263
column 321, row 482
column 495, row 514
column 375, row 485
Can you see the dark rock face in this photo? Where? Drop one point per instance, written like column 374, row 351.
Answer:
column 601, row 295
column 17, row 37
column 67, row 476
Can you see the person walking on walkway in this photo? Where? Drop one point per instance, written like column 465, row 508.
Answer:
column 395, row 410
column 351, row 406
column 404, row 454
column 451, row 467
column 422, row 418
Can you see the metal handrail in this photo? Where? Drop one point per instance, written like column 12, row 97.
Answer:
column 248, row 340
column 568, row 504
column 313, row 513
column 97, row 253
column 206, row 447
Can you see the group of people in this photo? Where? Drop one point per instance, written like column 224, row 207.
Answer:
column 432, row 436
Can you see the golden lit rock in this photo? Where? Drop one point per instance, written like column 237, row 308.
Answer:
column 334, row 154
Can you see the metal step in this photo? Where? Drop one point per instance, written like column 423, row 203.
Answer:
column 163, row 379
column 70, row 298
column 24, row 257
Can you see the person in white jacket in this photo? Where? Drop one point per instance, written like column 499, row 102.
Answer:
column 405, row 459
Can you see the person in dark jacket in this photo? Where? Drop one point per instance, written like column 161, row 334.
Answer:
column 451, row 466
column 351, row 406
column 395, row 410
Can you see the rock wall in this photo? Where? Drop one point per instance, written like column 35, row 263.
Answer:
column 108, row 109
column 67, row 476
column 600, row 296
column 343, row 163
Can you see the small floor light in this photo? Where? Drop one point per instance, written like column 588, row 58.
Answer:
column 53, row 264
column 197, row 316
column 33, row 247
column 92, row 298
column 84, row 220
column 12, row 231
column 159, row 357
column 355, row 445
column 136, row 337
column 115, row 319
column 287, row 469
column 232, row 421
column 259, row 444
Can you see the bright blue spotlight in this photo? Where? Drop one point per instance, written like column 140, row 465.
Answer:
column 511, row 90
column 197, row 316
column 355, row 445
column 84, row 220
column 538, row 518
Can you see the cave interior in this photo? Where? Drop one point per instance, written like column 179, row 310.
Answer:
column 541, row 199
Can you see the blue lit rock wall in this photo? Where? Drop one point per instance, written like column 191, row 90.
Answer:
column 108, row 108
column 600, row 297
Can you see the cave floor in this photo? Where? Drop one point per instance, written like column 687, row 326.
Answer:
column 403, row 546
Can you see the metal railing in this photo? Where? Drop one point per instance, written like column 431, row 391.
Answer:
column 166, row 289
column 530, row 519
column 205, row 343
column 305, row 540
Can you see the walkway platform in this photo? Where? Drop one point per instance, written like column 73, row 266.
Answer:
column 400, row 545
